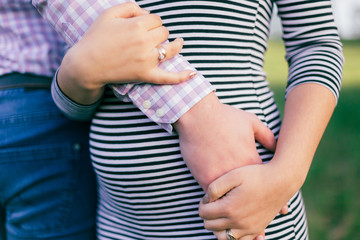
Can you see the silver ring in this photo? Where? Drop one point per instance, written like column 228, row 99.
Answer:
column 162, row 53
column 229, row 235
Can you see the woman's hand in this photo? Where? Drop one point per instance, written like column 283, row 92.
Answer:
column 121, row 46
column 216, row 138
column 251, row 196
column 229, row 144
column 245, row 200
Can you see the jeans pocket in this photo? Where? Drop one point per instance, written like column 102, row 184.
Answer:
column 38, row 187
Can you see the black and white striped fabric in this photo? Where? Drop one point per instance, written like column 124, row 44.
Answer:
column 145, row 189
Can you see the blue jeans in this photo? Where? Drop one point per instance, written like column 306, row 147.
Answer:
column 47, row 185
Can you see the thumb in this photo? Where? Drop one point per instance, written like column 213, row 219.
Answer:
column 161, row 76
column 264, row 135
column 220, row 186
column 261, row 236
column 126, row 10
column 284, row 210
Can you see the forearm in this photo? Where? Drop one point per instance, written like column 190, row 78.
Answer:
column 307, row 112
column 73, row 88
column 167, row 102
column 216, row 138
column 265, row 188
column 71, row 109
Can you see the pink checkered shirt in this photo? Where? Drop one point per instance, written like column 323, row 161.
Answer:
column 28, row 44
column 164, row 104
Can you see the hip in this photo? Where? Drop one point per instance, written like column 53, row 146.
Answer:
column 30, row 115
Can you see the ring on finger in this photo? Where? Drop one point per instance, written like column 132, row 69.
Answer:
column 162, row 53
column 229, row 235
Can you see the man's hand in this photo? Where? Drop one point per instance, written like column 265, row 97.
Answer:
column 216, row 138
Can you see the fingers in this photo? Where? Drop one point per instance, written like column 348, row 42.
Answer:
column 160, row 76
column 217, row 224
column 157, row 36
column 150, row 26
column 147, row 21
column 261, row 236
column 221, row 235
column 125, row 10
column 238, row 234
column 222, row 185
column 216, row 189
column 248, row 237
column 264, row 135
column 211, row 213
column 172, row 49
column 284, row 210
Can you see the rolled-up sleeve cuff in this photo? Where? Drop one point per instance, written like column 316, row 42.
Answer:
column 70, row 108
column 165, row 104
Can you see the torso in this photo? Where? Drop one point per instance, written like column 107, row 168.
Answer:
column 146, row 190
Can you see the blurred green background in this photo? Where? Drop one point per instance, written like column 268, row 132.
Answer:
column 332, row 188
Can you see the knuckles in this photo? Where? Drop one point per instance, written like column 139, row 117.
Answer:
column 213, row 192
column 140, row 42
column 165, row 32
column 156, row 18
column 201, row 212
column 137, row 26
column 230, row 212
column 130, row 6
column 207, row 225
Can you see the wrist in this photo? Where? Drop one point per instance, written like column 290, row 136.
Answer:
column 196, row 136
column 77, row 66
column 198, row 113
column 288, row 174
column 76, row 85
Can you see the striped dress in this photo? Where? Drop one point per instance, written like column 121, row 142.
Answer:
column 145, row 189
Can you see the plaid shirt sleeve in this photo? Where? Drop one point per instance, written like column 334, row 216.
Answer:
column 164, row 104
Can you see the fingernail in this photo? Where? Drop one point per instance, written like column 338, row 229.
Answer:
column 179, row 41
column 205, row 199
column 192, row 74
column 260, row 237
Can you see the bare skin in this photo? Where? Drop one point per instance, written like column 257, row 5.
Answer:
column 249, row 186
column 130, row 55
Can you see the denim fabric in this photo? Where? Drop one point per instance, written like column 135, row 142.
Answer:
column 47, row 185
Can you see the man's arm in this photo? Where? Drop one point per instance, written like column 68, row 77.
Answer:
column 72, row 18
column 129, row 55
column 199, row 129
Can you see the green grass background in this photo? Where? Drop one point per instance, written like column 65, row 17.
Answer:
column 332, row 188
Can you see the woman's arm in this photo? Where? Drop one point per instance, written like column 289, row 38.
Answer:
column 72, row 19
column 259, row 191
column 185, row 105
column 307, row 112
column 119, row 47
column 314, row 54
